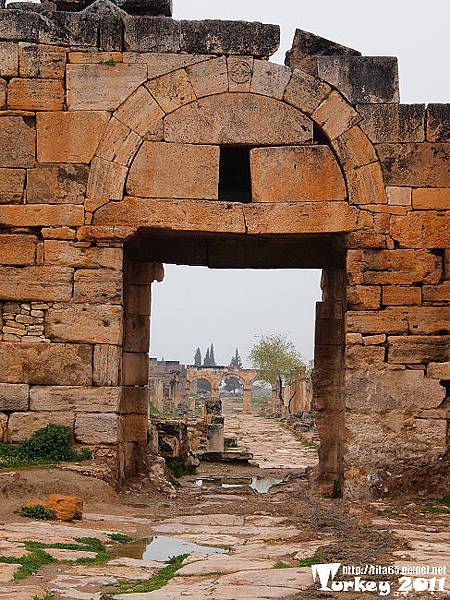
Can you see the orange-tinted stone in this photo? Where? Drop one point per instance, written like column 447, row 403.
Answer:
column 36, row 94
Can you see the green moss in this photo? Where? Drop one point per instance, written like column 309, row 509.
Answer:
column 316, row 559
column 122, row 538
column 281, row 565
column 30, row 563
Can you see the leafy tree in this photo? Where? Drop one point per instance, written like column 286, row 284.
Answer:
column 212, row 358
column 206, row 360
column 198, row 358
column 276, row 359
column 236, row 361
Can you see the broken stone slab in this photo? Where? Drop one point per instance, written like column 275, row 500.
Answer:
column 19, row 25
column 307, row 46
column 147, row 7
column 226, row 456
column 68, row 29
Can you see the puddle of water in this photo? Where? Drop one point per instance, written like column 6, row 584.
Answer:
column 161, row 548
column 260, row 484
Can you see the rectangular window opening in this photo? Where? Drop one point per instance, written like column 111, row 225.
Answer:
column 234, row 175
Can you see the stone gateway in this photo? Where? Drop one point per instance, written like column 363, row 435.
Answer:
column 129, row 139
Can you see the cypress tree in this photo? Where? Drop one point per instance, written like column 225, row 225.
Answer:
column 198, row 358
column 206, row 360
column 212, row 358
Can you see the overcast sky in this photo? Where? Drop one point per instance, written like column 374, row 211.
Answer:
column 195, row 306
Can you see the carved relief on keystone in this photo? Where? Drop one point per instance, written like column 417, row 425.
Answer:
column 240, row 71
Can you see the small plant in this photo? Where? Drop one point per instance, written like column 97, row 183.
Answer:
column 110, row 62
column 280, row 564
column 178, row 468
column 390, row 513
column 439, row 506
column 312, row 560
column 37, row 511
column 47, row 596
column 122, row 538
column 29, row 563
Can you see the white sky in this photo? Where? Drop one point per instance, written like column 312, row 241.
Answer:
column 195, row 306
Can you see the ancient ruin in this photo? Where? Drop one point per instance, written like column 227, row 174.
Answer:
column 121, row 134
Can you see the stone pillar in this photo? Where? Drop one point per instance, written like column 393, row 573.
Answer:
column 247, row 400
column 215, row 435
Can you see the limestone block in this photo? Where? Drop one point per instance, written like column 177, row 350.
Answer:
column 69, row 137
column 17, row 249
column 430, row 229
column 63, row 28
column 299, row 217
column 354, row 148
column 379, row 391
column 9, row 59
column 142, row 114
column 14, row 397
column 107, row 179
column 12, row 183
column 365, row 185
column 393, row 122
column 413, row 319
column 94, row 57
column 107, row 365
column 36, row 283
column 305, row 92
column 436, row 293
column 17, row 142
column 362, row 79
column 78, row 399
column 172, row 91
column 3, row 86
column 119, row 143
column 134, row 428
column 394, row 295
column 229, row 37
column 431, row 198
column 138, row 299
column 209, row 77
column 291, row 174
column 3, row 427
column 416, row 165
column 162, row 170
column 36, row 215
column 134, row 401
column 110, row 33
column 22, row 425
column 168, row 214
column 135, row 368
column 270, row 79
column 151, row 34
column 19, row 25
column 438, row 123
column 102, row 87
column 40, row 61
column 439, row 370
column 364, row 297
column 64, row 253
column 91, row 323
column 399, row 196
column 46, row 364
column 400, row 267
column 212, row 120
column 335, row 115
column 240, row 71
column 307, row 44
column 137, row 333
column 418, row 349
column 57, row 184
column 36, row 94
column 98, row 285
column 98, row 428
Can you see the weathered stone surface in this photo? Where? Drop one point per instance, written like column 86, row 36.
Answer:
column 36, row 283
column 35, row 215
column 98, row 285
column 119, row 143
column 401, row 295
column 299, row 217
column 148, row 7
column 162, row 63
column 354, row 149
column 229, row 37
column 12, row 183
column 14, row 396
column 439, row 370
column 172, row 91
column 107, row 365
column 142, row 114
column 46, row 364
column 400, row 267
column 379, row 391
column 438, row 123
column 431, row 198
column 364, row 297
column 98, row 428
column 415, row 320
column 169, row 214
column 162, row 170
column 335, row 115
column 300, row 173
column 69, row 137
column 17, row 249
column 102, row 87
column 436, row 293
column 110, row 33
column 429, row 229
column 3, row 86
column 79, row 399
column 393, row 122
column 68, row 29
column 19, row 25
column 38, row 60
column 36, row 94
column 67, row 254
column 135, row 368
column 22, row 425
column 151, row 34
column 398, row 196
column 270, row 79
column 106, row 180
column 9, row 59
column 417, row 165
column 305, row 92
column 17, row 142
column 417, row 349
column 92, row 323
column 209, row 77
column 308, row 44
column 212, row 120
column 58, row 184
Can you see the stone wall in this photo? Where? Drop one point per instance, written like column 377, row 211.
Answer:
column 111, row 129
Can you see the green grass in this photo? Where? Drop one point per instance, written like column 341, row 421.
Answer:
column 439, row 506
column 390, row 513
column 158, row 581
column 280, row 564
column 37, row 511
column 121, row 538
column 316, row 559
column 47, row 596
column 29, row 563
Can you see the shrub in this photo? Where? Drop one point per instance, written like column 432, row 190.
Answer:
column 52, row 442
column 37, row 511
